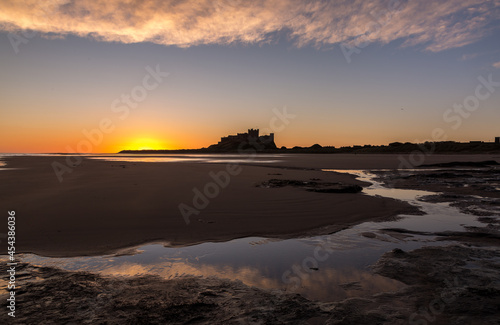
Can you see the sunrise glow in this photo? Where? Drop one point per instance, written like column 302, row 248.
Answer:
column 147, row 144
column 250, row 161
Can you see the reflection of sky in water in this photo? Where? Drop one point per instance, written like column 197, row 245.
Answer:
column 219, row 159
column 3, row 165
column 32, row 155
column 256, row 262
column 207, row 158
column 438, row 217
column 263, row 262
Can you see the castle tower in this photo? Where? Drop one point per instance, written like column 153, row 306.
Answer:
column 253, row 133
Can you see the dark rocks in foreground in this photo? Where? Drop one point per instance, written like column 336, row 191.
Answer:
column 53, row 296
column 448, row 285
column 445, row 285
column 341, row 189
column 456, row 185
column 477, row 164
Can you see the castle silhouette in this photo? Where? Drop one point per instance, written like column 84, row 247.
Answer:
column 243, row 141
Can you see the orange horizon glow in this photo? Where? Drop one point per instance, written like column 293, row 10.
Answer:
column 151, row 136
column 149, row 143
column 146, row 144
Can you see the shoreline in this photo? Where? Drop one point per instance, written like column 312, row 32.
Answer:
column 456, row 281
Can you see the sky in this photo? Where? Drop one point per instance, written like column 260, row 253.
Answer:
column 103, row 76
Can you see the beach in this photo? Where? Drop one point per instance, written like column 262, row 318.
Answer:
column 264, row 210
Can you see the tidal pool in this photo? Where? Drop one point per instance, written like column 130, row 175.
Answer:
column 201, row 158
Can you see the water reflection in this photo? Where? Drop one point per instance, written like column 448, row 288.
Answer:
column 345, row 272
column 151, row 158
column 219, row 159
column 261, row 265
column 3, row 165
column 438, row 216
column 328, row 284
column 148, row 159
column 378, row 189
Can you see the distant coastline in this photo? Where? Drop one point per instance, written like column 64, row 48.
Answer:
column 444, row 147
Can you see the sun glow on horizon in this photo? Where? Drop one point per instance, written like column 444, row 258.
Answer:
column 147, row 144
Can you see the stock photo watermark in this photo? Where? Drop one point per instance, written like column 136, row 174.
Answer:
column 121, row 106
column 11, row 263
column 20, row 38
column 300, row 272
column 222, row 179
column 427, row 314
column 454, row 118
column 461, row 111
column 45, row 9
column 379, row 19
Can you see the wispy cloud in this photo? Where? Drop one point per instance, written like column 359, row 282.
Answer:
column 471, row 56
column 496, row 65
column 433, row 25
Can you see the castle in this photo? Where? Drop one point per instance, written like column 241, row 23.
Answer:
column 242, row 141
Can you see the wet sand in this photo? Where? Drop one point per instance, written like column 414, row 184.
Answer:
column 104, row 206
column 453, row 284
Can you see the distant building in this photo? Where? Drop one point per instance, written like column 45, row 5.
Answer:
column 243, row 141
column 497, row 140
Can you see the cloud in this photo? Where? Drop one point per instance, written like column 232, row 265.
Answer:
column 466, row 57
column 496, row 65
column 433, row 25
